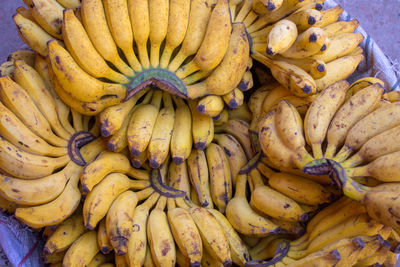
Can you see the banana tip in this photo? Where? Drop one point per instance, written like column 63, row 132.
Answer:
column 178, row 160
column 311, row 20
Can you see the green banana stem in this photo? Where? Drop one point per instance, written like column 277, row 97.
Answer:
column 336, row 172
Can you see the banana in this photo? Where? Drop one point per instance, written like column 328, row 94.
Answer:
column 320, row 114
column 211, row 105
column 234, row 98
column 7, row 68
column 392, row 96
column 273, row 203
column 234, row 153
column 13, row 130
column 200, row 127
column 30, row 80
column 63, row 110
column 239, row 252
column 82, row 50
column 378, row 258
column 296, row 187
column 101, row 260
column 142, row 124
column 186, row 234
column 118, row 20
column 112, row 118
column 340, row 27
column 220, row 176
column 217, row 36
column 213, row 236
column 26, row 13
column 266, row 6
column 158, row 18
column 159, row 144
column 48, row 14
column 383, row 168
column 28, row 56
column 69, row 3
column 349, row 250
column 363, row 83
column 7, row 206
column 199, row 15
column 281, row 37
column 178, row 20
column 247, row 82
column 376, row 122
column 340, row 45
column 26, row 110
column 119, row 221
column 243, row 218
column 64, row 67
column 299, row 82
column 82, row 251
column 181, row 139
column 137, row 241
column 102, row 238
column 21, row 164
column 95, row 23
column 108, row 162
column 178, row 178
column 240, row 130
column 380, row 145
column 65, row 234
column 32, row 34
column 308, row 43
column 323, row 258
column 99, row 200
column 54, row 258
column 338, row 69
column 305, row 18
column 329, row 16
column 199, row 176
column 357, row 107
column 242, row 112
column 159, row 235
column 227, row 75
column 222, row 118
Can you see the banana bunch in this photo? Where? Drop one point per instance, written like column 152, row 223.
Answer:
column 306, row 48
column 41, row 138
column 341, row 234
column 194, row 49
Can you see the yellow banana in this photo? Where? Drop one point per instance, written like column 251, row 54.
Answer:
column 210, row 105
column 159, row 235
column 227, row 75
column 247, row 82
column 222, row 118
column 378, row 258
column 64, row 67
column 32, row 34
column 138, row 239
column 28, row 56
column 281, row 37
column 366, row 101
column 234, row 153
column 82, row 251
column 299, row 82
column 200, row 127
column 321, row 258
column 273, row 203
column 186, row 234
column 119, row 221
column 320, row 114
column 82, row 50
column 99, row 200
column 102, row 238
column 243, row 218
column 178, row 20
column 25, row 12
column 213, row 236
column 199, row 15
column 315, row 67
column 338, row 69
column 220, row 176
column 159, row 144
column 198, row 173
column 101, row 260
column 108, row 162
column 65, row 234
column 181, row 139
column 374, row 123
column 95, row 23
column 118, row 20
column 234, row 98
column 142, row 124
column 341, row 27
column 30, row 80
column 69, row 3
column 158, row 17
column 48, row 14
column 242, row 112
column 329, row 16
column 217, row 36
column 305, row 18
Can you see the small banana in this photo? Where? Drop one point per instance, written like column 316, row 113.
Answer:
column 281, row 37
column 305, row 18
column 234, row 98
column 341, row 27
column 201, row 127
column 211, row 105
column 102, row 238
column 329, row 16
column 181, row 140
column 82, row 251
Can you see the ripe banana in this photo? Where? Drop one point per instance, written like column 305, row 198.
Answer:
column 340, row 27
column 210, row 105
column 234, row 98
column 281, row 37
column 82, row 251
column 102, row 238
column 47, row 14
column 201, row 127
column 158, row 18
column 181, row 139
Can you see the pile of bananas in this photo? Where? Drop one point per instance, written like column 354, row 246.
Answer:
column 131, row 135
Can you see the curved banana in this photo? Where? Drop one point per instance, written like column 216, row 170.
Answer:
column 341, row 27
column 329, row 16
column 305, row 18
column 234, row 98
column 47, row 14
column 220, row 176
column 243, row 218
column 320, row 114
column 102, row 238
column 158, row 18
column 95, row 23
column 82, row 251
column 282, row 36
column 211, row 105
column 119, row 221
column 201, row 127
column 181, row 139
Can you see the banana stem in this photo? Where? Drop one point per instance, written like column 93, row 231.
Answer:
column 161, row 203
column 256, row 178
column 241, row 181
column 151, row 201
column 265, row 170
